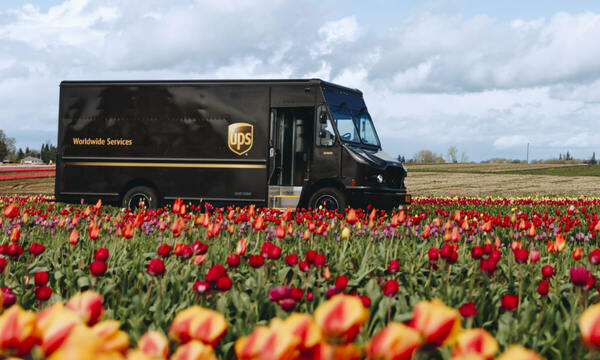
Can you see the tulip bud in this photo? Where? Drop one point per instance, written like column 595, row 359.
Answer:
column 518, row 352
column 194, row 350
column 198, row 323
column 17, row 331
column 88, row 305
column 154, row 344
column 349, row 316
column 475, row 342
column 438, row 323
column 395, row 341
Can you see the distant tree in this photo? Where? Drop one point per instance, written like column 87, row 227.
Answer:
column 463, row 157
column 592, row 160
column 425, row 156
column 452, row 153
column 7, row 145
column 401, row 158
column 20, row 154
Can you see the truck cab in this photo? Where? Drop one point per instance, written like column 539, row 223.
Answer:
column 330, row 155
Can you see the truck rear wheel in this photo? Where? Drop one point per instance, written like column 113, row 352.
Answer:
column 329, row 198
column 140, row 194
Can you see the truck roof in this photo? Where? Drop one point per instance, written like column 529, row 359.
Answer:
column 201, row 82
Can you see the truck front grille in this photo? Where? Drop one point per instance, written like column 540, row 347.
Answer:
column 394, row 177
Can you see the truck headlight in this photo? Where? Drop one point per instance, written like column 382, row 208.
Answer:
column 380, row 179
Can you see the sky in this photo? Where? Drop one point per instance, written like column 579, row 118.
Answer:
column 487, row 77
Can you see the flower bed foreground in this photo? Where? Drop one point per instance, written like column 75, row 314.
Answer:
column 522, row 270
column 74, row 331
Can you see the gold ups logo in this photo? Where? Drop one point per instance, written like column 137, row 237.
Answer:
column 240, row 138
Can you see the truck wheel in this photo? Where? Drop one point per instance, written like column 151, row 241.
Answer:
column 138, row 194
column 329, row 198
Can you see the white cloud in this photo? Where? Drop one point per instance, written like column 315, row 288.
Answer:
column 432, row 80
column 506, row 142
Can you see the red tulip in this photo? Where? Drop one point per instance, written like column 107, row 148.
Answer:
column 351, row 217
column 291, row 259
column 233, row 260
column 433, row 254
column 40, row 278
column 256, row 261
column 579, row 275
column 101, row 254
column 43, row 293
column 164, row 250
column 341, row 282
column 547, row 271
column 224, row 283
column 319, row 260
column 303, row 266
column 36, row 249
column 543, row 287
column 155, row 267
column 394, row 266
column 391, row 287
column 297, row 293
column 509, row 302
column 521, row 255
column 594, row 256
column 201, row 287
column 476, row 252
column 98, row 268
column 366, row 301
column 467, row 310
column 215, row 272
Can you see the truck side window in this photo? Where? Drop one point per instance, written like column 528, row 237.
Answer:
column 325, row 134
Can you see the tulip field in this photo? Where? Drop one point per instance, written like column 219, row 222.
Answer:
column 442, row 278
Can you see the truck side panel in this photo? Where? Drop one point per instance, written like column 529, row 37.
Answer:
column 190, row 141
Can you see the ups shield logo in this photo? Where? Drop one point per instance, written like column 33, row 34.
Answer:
column 240, row 138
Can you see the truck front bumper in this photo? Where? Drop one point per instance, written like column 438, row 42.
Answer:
column 380, row 198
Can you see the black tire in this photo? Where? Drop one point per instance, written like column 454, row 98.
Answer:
column 136, row 194
column 329, row 198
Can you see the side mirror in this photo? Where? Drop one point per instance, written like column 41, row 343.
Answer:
column 323, row 117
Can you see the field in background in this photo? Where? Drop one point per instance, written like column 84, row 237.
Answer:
column 505, row 180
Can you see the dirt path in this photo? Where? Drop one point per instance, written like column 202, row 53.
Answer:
column 420, row 184
column 34, row 186
column 504, row 185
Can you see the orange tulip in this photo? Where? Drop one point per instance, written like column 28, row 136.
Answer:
column 177, row 205
column 11, row 211
column 113, row 339
column 198, row 323
column 268, row 343
column 241, row 246
column 589, row 325
column 194, row 350
column 84, row 344
column 395, row 341
column 559, row 243
column 15, row 234
column 128, row 231
column 303, row 326
column 401, row 216
column 425, row 233
column 531, row 232
column 437, row 323
column 341, row 317
column 475, row 342
column 351, row 217
column 74, row 237
column 88, row 305
column 280, row 231
column 94, row 231
column 154, row 344
column 53, row 325
column 258, row 223
column 578, row 253
column 326, row 351
column 17, row 335
column 518, row 352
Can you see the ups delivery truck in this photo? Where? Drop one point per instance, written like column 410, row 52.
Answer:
column 279, row 143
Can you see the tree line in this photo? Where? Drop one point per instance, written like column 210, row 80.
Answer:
column 10, row 153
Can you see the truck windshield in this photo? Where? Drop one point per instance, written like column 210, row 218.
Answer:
column 351, row 117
